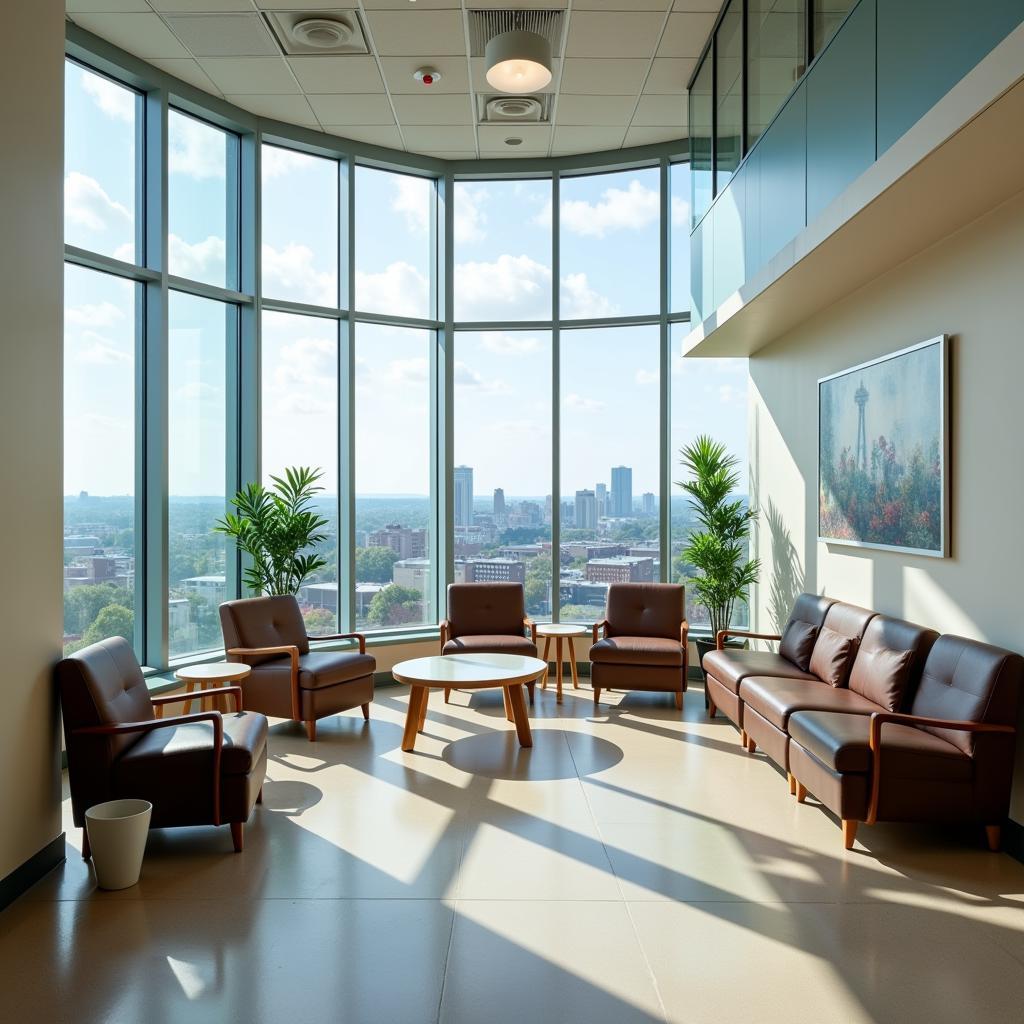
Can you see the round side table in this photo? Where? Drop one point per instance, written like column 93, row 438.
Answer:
column 209, row 676
column 561, row 631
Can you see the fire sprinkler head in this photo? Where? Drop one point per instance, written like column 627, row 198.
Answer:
column 427, row 76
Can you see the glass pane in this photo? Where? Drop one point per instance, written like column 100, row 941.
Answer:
column 828, row 16
column 201, row 241
column 300, row 227
column 701, row 123
column 503, row 250
column 503, row 461
column 197, row 454
column 299, row 405
column 729, row 82
column 99, row 458
column 709, row 396
column 610, row 244
column 393, row 243
column 100, row 126
column 394, row 587
column 776, row 35
column 679, row 283
column 609, row 453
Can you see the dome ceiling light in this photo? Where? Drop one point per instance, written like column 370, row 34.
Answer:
column 517, row 47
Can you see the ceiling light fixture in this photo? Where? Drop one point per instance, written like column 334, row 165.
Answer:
column 518, row 62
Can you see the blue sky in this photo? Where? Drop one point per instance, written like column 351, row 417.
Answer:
column 502, row 271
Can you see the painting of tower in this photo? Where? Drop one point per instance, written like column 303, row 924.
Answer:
column 861, row 396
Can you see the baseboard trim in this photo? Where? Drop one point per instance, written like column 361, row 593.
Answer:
column 1013, row 839
column 22, row 878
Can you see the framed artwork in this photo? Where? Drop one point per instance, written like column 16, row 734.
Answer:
column 883, row 452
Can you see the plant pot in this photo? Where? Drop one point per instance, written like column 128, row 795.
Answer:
column 704, row 646
column 117, row 831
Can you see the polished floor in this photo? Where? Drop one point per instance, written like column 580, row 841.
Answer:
column 634, row 866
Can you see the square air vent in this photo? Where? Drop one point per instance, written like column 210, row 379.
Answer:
column 513, row 109
column 317, row 32
column 485, row 25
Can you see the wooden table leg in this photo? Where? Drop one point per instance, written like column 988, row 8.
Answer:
column 508, row 703
column 519, row 713
column 412, row 719
column 558, row 667
column 572, row 666
column 423, row 709
column 547, row 651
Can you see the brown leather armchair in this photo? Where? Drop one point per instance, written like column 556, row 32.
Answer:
column 288, row 680
column 201, row 769
column 488, row 618
column 645, row 640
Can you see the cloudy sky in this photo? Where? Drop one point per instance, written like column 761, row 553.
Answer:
column 609, row 378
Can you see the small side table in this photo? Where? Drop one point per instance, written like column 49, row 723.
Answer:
column 559, row 631
column 209, row 676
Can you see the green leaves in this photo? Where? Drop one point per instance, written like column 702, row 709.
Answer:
column 274, row 527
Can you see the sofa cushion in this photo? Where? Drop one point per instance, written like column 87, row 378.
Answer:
column 840, row 742
column 328, row 668
column 884, row 687
column 491, row 643
column 797, row 643
column 776, row 699
column 881, row 675
column 638, row 650
column 848, row 619
column 831, row 657
column 730, row 667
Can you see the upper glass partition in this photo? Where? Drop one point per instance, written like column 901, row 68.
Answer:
column 702, row 122
column 776, row 42
column 728, row 94
column 827, row 17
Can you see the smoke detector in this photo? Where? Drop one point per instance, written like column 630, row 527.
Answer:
column 317, row 32
column 427, row 76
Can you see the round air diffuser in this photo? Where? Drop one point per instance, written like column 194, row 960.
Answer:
column 322, row 33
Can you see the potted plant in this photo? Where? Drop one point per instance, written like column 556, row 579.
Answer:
column 274, row 527
column 716, row 550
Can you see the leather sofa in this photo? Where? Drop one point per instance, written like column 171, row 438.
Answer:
column 881, row 719
column 199, row 769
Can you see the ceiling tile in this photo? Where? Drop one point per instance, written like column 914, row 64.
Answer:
column 414, row 33
column 439, row 137
column 422, row 5
column 686, row 34
column 536, row 139
column 533, row 5
column 354, row 73
column 145, row 35
column 608, row 76
column 187, row 70
column 106, row 7
column 377, row 135
column 669, row 76
column 660, row 112
column 649, row 136
column 398, row 73
column 292, row 109
column 707, row 6
column 305, row 5
column 223, row 35
column 436, row 109
column 480, row 83
column 571, row 139
column 353, row 109
column 260, row 75
column 595, row 110
column 618, row 5
column 200, row 6
column 613, row 34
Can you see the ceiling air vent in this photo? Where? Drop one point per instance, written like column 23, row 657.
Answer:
column 485, row 25
column 311, row 32
column 505, row 109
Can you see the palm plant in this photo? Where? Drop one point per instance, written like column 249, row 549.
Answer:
column 717, row 549
column 274, row 527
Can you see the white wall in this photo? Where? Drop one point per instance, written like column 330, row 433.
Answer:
column 969, row 286
column 31, row 288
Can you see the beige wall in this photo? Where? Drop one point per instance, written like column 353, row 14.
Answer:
column 971, row 287
column 31, row 172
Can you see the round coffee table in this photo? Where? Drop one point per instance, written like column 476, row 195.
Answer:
column 212, row 675
column 559, row 631
column 468, row 672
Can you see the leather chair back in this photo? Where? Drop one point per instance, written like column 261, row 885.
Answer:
column 646, row 609
column 263, row 622
column 476, row 609
column 888, row 634
column 809, row 608
column 971, row 682
column 848, row 620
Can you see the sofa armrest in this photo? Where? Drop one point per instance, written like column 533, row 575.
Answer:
column 219, row 691
column 598, row 626
column 345, row 636
column 531, row 627
column 121, row 728
column 293, row 652
column 880, row 718
column 721, row 635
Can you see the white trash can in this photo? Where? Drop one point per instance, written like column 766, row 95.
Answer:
column 117, row 831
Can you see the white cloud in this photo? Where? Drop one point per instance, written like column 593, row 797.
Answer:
column 277, row 162
column 467, row 377
column 196, row 149
column 114, row 100
column 470, row 217
column 400, row 289
column 579, row 300
column 646, row 377
column 412, row 199
column 96, row 314
column 510, row 288
column 506, row 344
column 582, row 403
column 680, row 212
column 409, row 371
column 289, row 273
column 729, row 395
column 632, row 208
column 99, row 351
column 201, row 261
column 87, row 205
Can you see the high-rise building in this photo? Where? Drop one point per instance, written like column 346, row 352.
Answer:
column 499, row 507
column 586, row 510
column 601, row 494
column 649, row 504
column 622, row 491
column 463, row 495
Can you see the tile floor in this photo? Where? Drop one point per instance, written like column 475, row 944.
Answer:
column 635, row 865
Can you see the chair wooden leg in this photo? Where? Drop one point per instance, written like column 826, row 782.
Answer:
column 238, row 835
column 311, row 731
column 791, row 779
column 712, row 707
column 751, row 745
column 743, row 737
column 679, row 700
column 849, row 832
column 801, row 792
column 994, row 835
column 447, row 694
column 86, row 848
column 366, row 710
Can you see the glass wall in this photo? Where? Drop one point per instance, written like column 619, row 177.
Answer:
column 702, row 126
column 776, row 42
column 679, row 238
column 728, row 94
column 828, row 15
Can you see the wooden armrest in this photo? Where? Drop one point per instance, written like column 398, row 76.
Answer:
column 598, row 626
column 235, row 690
column 120, row 728
column 684, row 631
column 880, row 718
column 345, row 636
column 531, row 626
column 445, row 630
column 723, row 633
column 289, row 649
